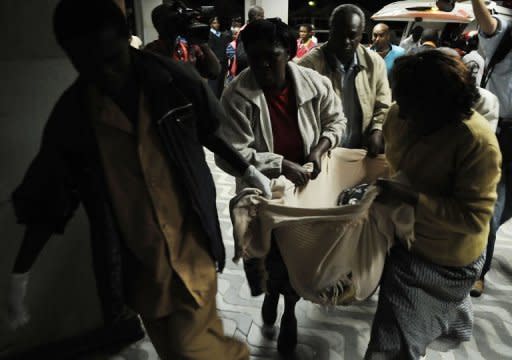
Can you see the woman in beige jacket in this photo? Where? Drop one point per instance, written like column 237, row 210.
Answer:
column 280, row 116
column 452, row 160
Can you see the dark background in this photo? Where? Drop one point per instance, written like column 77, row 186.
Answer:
column 299, row 12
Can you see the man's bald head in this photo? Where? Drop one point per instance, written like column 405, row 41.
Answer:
column 383, row 28
column 381, row 37
column 255, row 13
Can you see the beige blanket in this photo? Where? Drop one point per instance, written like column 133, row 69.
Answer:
column 331, row 252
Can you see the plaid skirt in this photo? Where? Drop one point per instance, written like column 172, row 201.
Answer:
column 420, row 301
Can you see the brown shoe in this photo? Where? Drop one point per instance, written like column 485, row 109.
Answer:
column 478, row 288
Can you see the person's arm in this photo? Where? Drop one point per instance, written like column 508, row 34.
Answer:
column 316, row 155
column 207, row 64
column 35, row 238
column 44, row 202
column 210, row 116
column 382, row 96
column 469, row 207
column 333, row 123
column 488, row 106
column 488, row 24
column 237, row 129
column 380, row 109
column 46, row 199
column 247, row 172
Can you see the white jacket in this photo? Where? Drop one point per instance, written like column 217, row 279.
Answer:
column 489, row 107
column 248, row 126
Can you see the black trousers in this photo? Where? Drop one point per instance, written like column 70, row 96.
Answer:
column 270, row 274
column 278, row 281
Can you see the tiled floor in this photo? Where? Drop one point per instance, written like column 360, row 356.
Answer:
column 343, row 333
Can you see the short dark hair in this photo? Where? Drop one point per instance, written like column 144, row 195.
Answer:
column 73, row 19
column 309, row 27
column 254, row 12
column 215, row 18
column 271, row 30
column 345, row 10
column 237, row 20
column 435, row 83
column 160, row 16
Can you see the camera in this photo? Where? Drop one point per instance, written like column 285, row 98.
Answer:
column 191, row 23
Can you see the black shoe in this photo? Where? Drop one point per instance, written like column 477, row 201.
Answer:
column 287, row 340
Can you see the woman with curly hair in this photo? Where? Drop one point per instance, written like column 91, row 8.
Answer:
column 451, row 159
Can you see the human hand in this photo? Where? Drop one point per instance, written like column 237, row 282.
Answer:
column 17, row 313
column 316, row 159
column 295, row 173
column 375, row 143
column 255, row 178
column 393, row 191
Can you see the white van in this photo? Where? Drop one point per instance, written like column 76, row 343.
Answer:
column 427, row 15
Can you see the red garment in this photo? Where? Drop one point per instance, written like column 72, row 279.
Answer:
column 182, row 52
column 233, row 67
column 304, row 48
column 282, row 106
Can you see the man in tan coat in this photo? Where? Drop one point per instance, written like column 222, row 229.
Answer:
column 358, row 76
column 126, row 141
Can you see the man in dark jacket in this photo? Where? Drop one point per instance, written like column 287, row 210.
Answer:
column 126, row 140
column 218, row 42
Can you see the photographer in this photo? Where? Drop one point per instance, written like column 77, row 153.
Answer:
column 183, row 38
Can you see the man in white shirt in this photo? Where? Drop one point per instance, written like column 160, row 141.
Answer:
column 496, row 37
column 412, row 41
column 473, row 59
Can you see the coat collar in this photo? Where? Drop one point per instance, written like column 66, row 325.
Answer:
column 103, row 109
column 332, row 62
column 303, row 86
